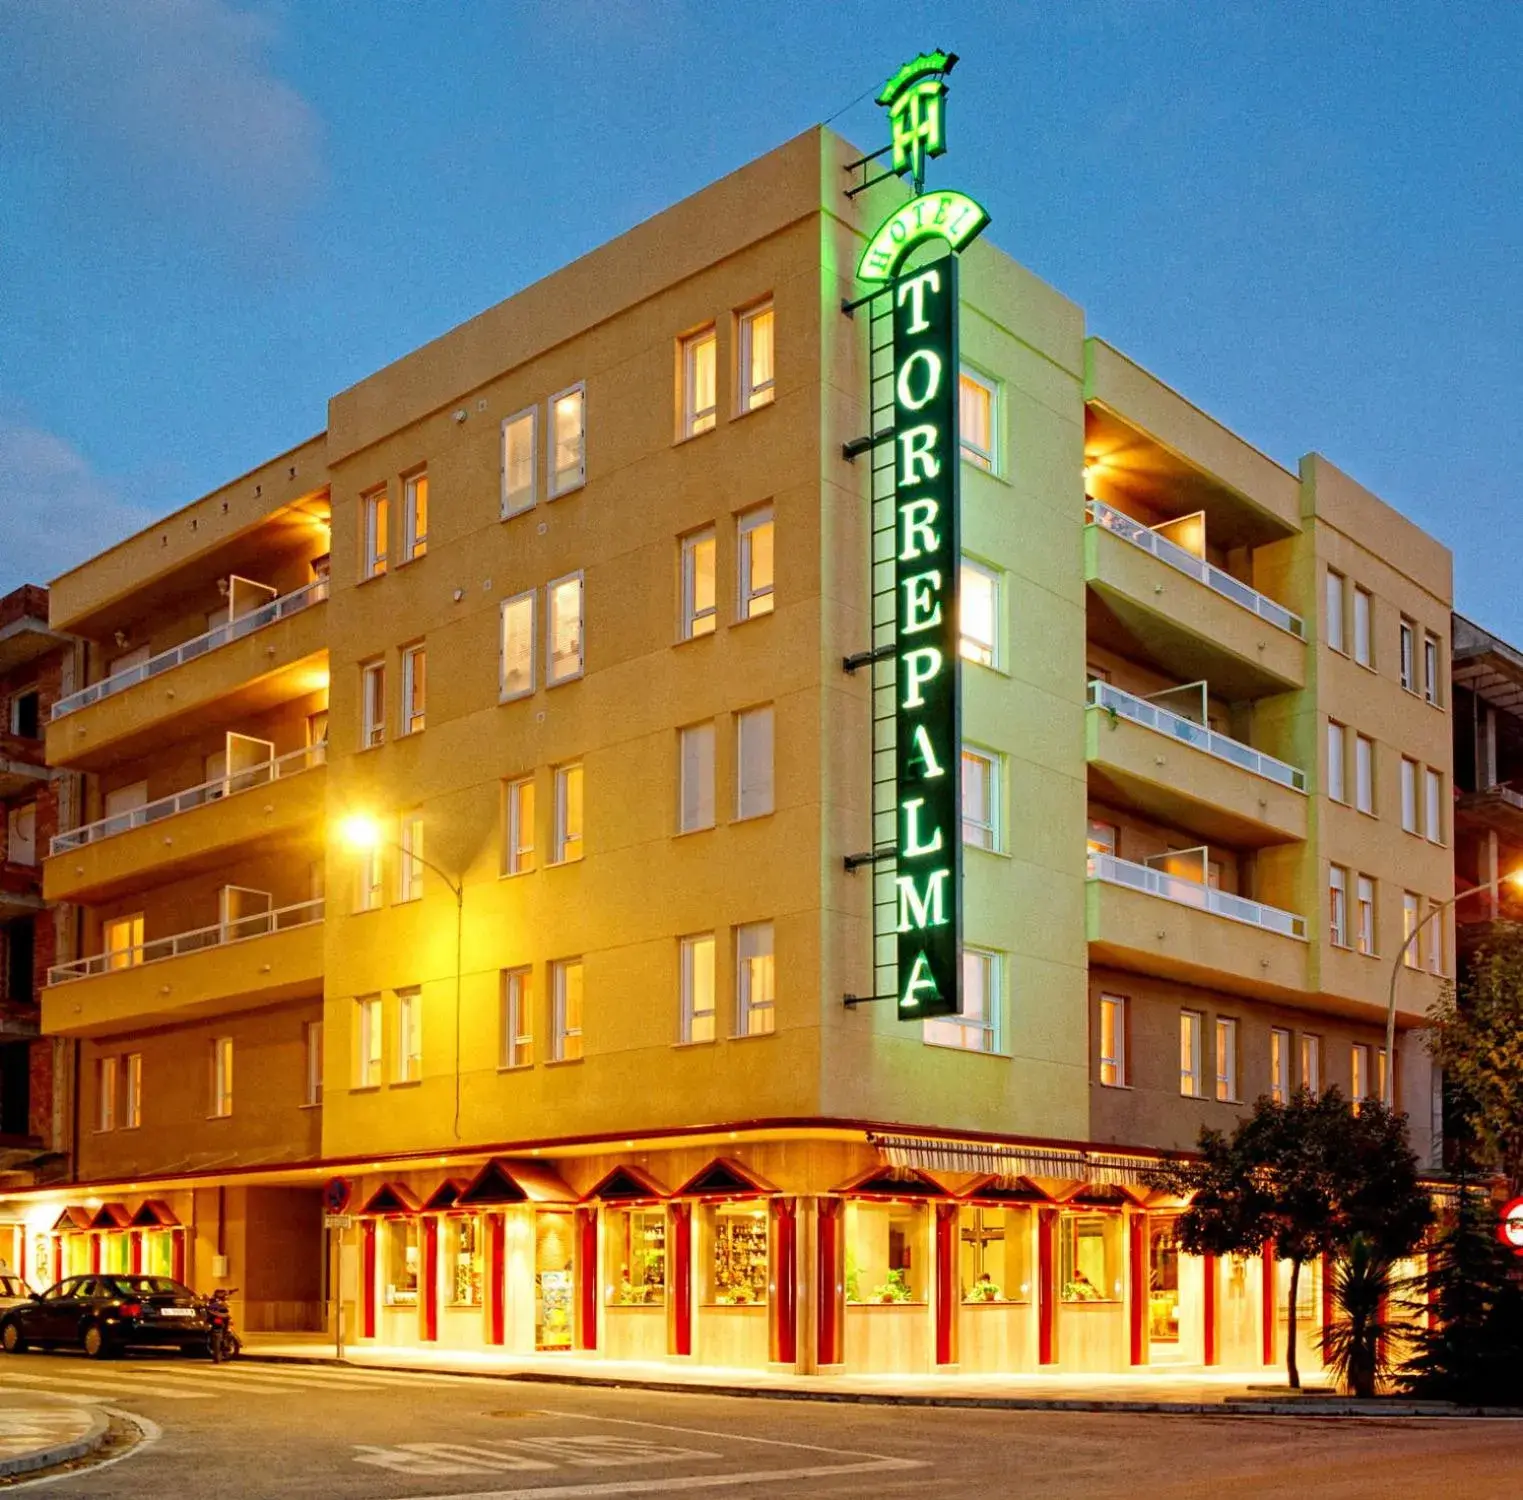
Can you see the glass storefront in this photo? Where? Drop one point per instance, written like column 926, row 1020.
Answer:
column 885, row 1252
column 401, row 1279
column 158, row 1252
column 1089, row 1257
column 462, row 1251
column 1163, row 1282
column 738, row 1268
column 635, row 1247
column 554, row 1282
column 994, row 1259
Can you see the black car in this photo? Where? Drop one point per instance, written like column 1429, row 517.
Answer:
column 104, row 1314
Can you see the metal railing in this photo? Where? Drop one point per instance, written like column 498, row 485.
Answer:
column 219, row 635
column 1186, row 892
column 1187, row 731
column 218, row 935
column 214, row 790
column 1216, row 579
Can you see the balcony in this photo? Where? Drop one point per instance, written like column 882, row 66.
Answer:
column 196, row 829
column 22, row 764
column 1184, row 773
column 241, row 667
column 235, row 965
column 1148, row 920
column 1494, row 809
column 1199, row 619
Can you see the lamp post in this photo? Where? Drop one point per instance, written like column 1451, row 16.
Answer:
column 1388, row 1092
column 363, row 832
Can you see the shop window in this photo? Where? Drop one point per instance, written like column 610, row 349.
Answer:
column 697, row 988
column 401, row 1262
column 753, row 762
column 462, row 1239
column 1090, row 1257
column 568, row 432
column 566, row 844
column 554, row 1285
column 372, row 704
column 738, row 1267
column 700, row 402
column 757, row 371
column 374, row 522
column 978, row 406
column 563, row 630
column 980, row 799
column 414, row 684
column 1163, row 1282
column 755, row 980
column 995, row 1264
column 415, row 515
column 754, row 563
column 516, row 667
column 695, row 800
column 979, row 622
column 885, row 1252
column 566, row 1016
column 410, row 865
column 520, row 443
column 516, row 1037
column 699, row 606
column 518, row 826
column 635, row 1244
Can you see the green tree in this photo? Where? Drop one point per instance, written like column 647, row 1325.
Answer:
column 1355, row 1348
column 1477, row 1040
column 1307, row 1175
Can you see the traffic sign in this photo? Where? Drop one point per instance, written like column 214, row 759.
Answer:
column 337, row 1221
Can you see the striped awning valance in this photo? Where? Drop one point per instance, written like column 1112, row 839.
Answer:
column 1101, row 1167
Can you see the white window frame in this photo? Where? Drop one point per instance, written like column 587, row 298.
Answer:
column 698, row 1023
column 1433, row 805
column 372, row 703
column 408, row 1063
column 696, row 802
column 566, row 845
column 1407, row 661
column 753, row 395
column 414, row 542
column 369, row 1042
column 221, row 1076
column 1364, row 618
column 552, row 677
column 1279, row 1065
column 1336, row 604
column 1364, row 915
column 515, row 1032
column 375, row 524
column 698, row 619
column 1337, row 906
column 566, row 1042
column 966, row 1032
column 1364, row 774
column 410, row 857
column 994, row 649
column 987, row 835
column 969, row 452
column 557, row 486
column 1434, row 930
column 1113, row 1064
column 518, row 853
column 1411, row 812
column 513, row 502
column 1359, row 1073
column 753, row 600
column 1226, row 1031
column 107, row 1087
column 758, row 800
column 1337, row 761
column 1433, row 670
column 1192, row 1025
column 503, row 694
column 755, row 1016
column 1411, row 921
column 1311, row 1062
column 132, row 1090
column 312, row 1053
column 414, row 686
column 696, row 420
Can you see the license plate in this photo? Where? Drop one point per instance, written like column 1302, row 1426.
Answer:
column 177, row 1312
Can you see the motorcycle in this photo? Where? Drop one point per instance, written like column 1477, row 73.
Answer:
column 222, row 1342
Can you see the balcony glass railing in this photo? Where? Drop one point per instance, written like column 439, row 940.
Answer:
column 215, row 790
column 220, row 635
column 1187, row 892
column 218, row 935
column 1100, row 514
column 1140, row 711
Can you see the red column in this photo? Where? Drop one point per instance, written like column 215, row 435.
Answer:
column 785, row 1278
column 1210, row 1353
column 135, row 1251
column 586, row 1269
column 1140, row 1286
column 1268, row 1301
column 827, row 1281
column 496, row 1292
column 177, row 1253
column 428, row 1288
column 1327, row 1293
column 367, row 1278
column 57, row 1257
column 681, row 1329
column 1047, row 1286
column 948, row 1290
column 95, row 1253
column 21, row 1253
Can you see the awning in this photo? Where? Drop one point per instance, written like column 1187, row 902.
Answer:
column 391, row 1198
column 154, row 1213
column 446, row 1196
column 626, row 1185
column 504, row 1181
column 892, row 1182
column 111, row 1216
column 71, row 1220
column 989, row 1158
column 724, row 1177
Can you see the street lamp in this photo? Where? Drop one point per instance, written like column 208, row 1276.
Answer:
column 1388, row 1092
column 362, row 832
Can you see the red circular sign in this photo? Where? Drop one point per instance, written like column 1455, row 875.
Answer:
column 337, row 1194
column 1510, row 1230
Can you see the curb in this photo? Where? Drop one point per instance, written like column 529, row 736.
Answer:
column 1307, row 1408
column 59, row 1453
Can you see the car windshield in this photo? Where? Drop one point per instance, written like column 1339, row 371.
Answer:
column 147, row 1286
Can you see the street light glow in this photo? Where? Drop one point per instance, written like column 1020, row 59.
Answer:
column 360, row 831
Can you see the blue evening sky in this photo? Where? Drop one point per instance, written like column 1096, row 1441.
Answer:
column 214, row 214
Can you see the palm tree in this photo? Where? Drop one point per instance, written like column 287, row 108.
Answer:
column 1355, row 1348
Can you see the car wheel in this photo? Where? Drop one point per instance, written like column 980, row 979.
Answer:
column 95, row 1343
column 12, row 1339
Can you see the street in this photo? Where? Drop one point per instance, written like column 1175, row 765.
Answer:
column 279, row 1430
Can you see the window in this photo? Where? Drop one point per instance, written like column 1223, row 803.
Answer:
column 976, row 411
column 1335, row 607
column 700, row 402
column 374, row 522
column 222, row 1078
column 1311, row 1063
column 372, row 704
column 753, row 555
column 26, row 714
column 21, row 835
column 1089, row 1257
column 980, row 614
column 132, row 1090
column 976, row 1027
column 414, row 684
column 755, row 980
column 516, row 1032
column 516, row 669
column 737, row 1272
column 317, row 729
column 368, row 875
column 635, row 1247
column 1226, row 1059
column 402, row 1261
column 1336, row 761
column 568, row 432
column 563, row 633
column 1435, row 935
column 1433, row 802
column 1337, row 906
column 1410, row 921
column 884, row 1245
column 1113, row 1029
column 518, row 829
column 1364, row 774
column 367, row 1042
column 409, row 1058
column 753, row 762
column 1364, row 915
column 1101, row 838
column 980, row 798
column 698, row 988
column 312, row 1035
column 699, row 613
column 520, row 442
column 1359, row 1073
column 1362, row 607
column 410, row 865
column 1279, row 1065
column 105, row 1093
column 1409, row 795
column 1190, row 1024
column 757, row 386
column 1432, row 680
column 566, row 1018
column 414, row 515
column 1380, row 1075
column 124, row 941
column 566, row 844
column 1408, row 656
column 696, row 774
column 462, row 1259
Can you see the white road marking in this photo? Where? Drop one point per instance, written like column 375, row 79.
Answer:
column 254, row 1382
column 148, row 1434
column 96, row 1388
column 595, row 1450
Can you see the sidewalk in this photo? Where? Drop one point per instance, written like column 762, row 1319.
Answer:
column 1193, row 1392
column 38, row 1431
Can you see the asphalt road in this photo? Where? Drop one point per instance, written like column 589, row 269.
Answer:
column 261, row 1430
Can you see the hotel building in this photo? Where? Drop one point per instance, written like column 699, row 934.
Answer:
column 559, row 604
